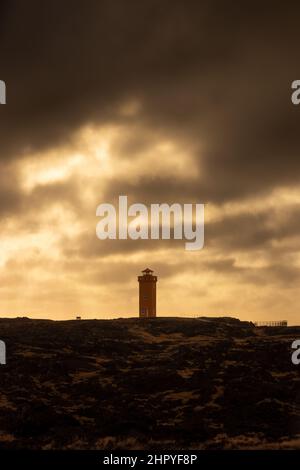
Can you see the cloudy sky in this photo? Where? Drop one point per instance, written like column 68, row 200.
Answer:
column 164, row 101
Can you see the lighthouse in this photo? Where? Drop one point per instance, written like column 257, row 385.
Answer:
column 147, row 294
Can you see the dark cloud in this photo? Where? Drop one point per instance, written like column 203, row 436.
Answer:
column 25, row 207
column 255, row 230
column 216, row 75
column 87, row 246
column 10, row 190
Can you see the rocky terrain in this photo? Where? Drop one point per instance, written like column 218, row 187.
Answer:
column 164, row 383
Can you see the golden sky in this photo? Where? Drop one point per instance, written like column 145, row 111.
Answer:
column 164, row 105
column 53, row 266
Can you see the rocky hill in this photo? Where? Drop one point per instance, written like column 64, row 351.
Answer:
column 164, row 383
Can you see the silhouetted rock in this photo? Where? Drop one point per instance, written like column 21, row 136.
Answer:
column 161, row 383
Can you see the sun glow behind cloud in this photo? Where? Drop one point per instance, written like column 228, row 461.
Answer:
column 54, row 266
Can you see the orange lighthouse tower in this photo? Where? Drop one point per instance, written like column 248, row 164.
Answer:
column 147, row 294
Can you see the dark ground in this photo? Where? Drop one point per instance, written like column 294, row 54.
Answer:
column 163, row 383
